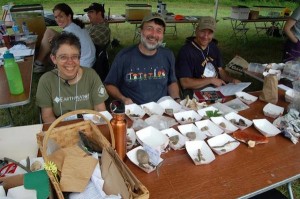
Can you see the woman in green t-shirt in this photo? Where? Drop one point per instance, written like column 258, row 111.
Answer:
column 69, row 86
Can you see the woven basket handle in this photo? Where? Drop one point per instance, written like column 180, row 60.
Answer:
column 83, row 111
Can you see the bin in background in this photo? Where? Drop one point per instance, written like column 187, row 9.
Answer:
column 136, row 12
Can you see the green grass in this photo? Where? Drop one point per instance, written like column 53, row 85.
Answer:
column 257, row 49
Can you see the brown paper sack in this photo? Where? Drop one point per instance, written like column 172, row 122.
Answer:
column 76, row 173
column 113, row 180
column 270, row 89
column 58, row 156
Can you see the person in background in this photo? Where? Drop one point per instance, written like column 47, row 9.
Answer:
column 69, row 86
column 144, row 72
column 100, row 34
column 64, row 18
column 199, row 62
column 99, row 27
column 292, row 31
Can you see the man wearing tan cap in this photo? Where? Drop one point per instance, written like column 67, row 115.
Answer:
column 199, row 62
column 144, row 72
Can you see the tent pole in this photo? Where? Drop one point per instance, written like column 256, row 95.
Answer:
column 216, row 8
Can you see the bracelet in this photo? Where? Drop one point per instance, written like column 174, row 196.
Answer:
column 176, row 98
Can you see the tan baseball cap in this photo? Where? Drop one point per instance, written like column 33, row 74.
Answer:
column 207, row 23
column 153, row 16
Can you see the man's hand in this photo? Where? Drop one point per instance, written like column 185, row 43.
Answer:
column 217, row 82
column 235, row 81
column 127, row 101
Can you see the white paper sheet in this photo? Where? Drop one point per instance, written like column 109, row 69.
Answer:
column 229, row 89
column 20, row 53
column 19, row 142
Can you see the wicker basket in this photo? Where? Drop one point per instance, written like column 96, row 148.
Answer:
column 66, row 136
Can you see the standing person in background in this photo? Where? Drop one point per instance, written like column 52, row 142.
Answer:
column 100, row 34
column 69, row 86
column 199, row 62
column 64, row 18
column 144, row 72
column 292, row 31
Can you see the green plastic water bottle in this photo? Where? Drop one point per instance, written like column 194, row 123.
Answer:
column 13, row 74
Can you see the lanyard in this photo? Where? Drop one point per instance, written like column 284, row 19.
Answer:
column 204, row 57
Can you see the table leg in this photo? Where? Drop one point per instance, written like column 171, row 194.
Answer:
column 239, row 29
column 261, row 29
column 290, row 190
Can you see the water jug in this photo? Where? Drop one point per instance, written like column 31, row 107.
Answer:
column 13, row 74
column 119, row 126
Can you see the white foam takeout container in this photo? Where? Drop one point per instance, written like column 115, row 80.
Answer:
column 133, row 158
column 265, row 127
column 222, row 144
column 186, row 117
column 97, row 119
column 134, row 111
column 193, row 147
column 172, row 132
column 153, row 108
column 202, row 112
column 229, row 127
column 246, row 97
column 272, row 110
column 153, row 138
column 186, row 128
column 237, row 117
column 289, row 95
column 213, row 129
column 171, row 105
column 131, row 136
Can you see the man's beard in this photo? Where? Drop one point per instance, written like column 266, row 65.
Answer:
column 149, row 46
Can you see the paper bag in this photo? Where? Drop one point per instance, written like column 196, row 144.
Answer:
column 113, row 180
column 76, row 173
column 237, row 65
column 58, row 156
column 270, row 89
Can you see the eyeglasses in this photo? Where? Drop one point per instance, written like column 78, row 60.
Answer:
column 65, row 58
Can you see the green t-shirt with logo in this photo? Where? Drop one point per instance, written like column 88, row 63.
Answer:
column 53, row 92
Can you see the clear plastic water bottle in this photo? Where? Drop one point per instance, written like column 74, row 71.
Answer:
column 13, row 74
column 25, row 28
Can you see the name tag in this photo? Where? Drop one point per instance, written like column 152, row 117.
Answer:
column 209, row 70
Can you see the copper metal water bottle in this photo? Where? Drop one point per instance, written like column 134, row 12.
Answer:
column 119, row 126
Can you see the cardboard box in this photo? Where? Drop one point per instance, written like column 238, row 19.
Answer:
column 240, row 12
column 136, row 12
column 253, row 14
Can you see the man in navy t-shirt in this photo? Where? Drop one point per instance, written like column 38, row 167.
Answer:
column 199, row 62
column 144, row 72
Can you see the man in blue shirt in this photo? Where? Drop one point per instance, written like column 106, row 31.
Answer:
column 144, row 72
